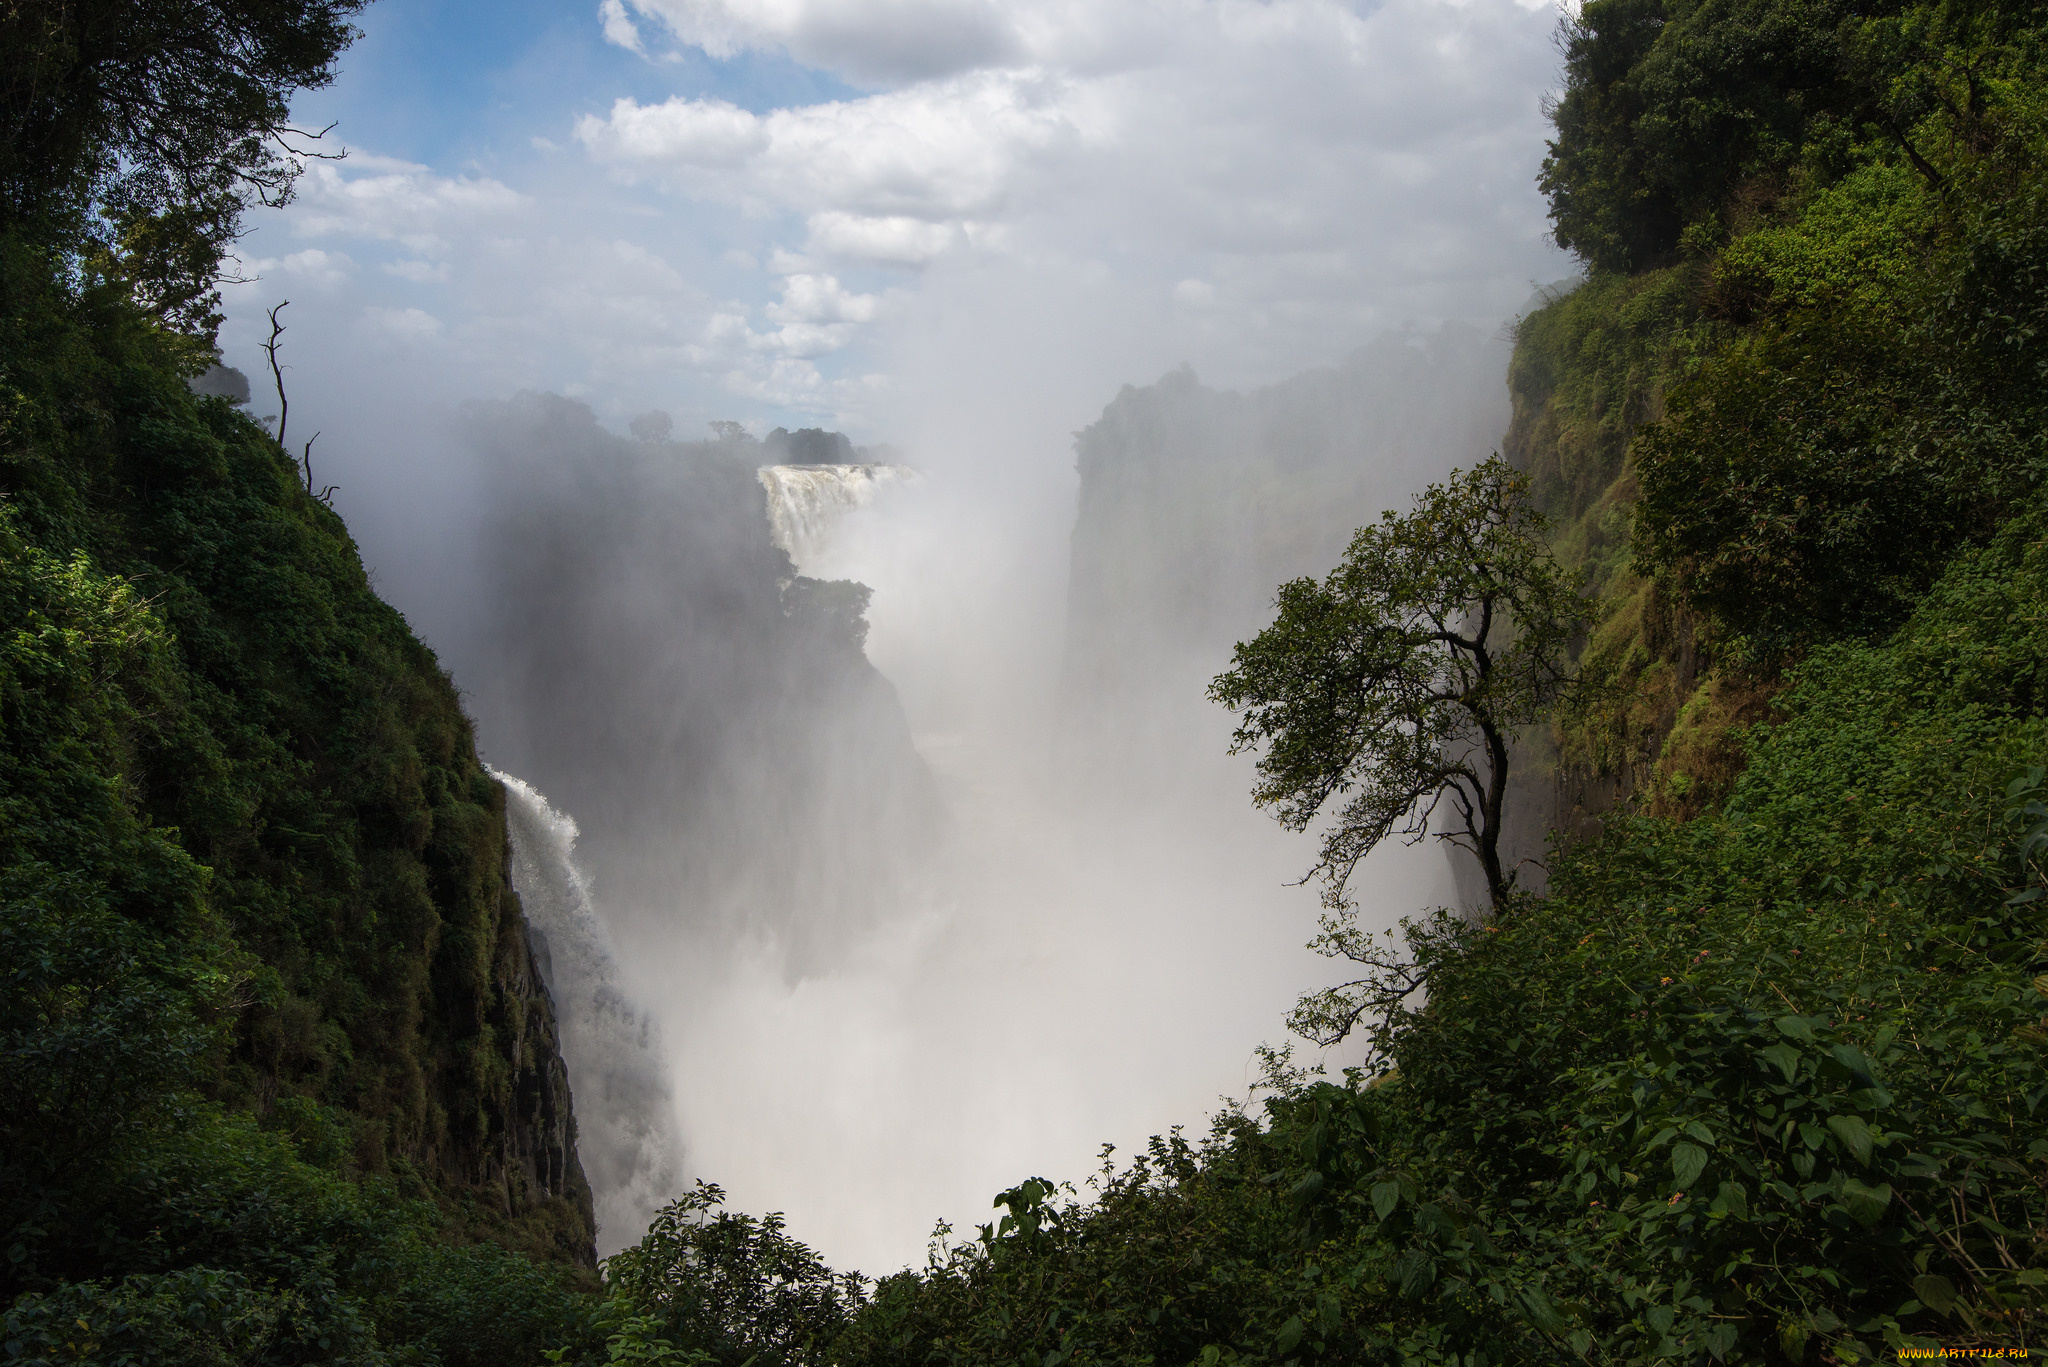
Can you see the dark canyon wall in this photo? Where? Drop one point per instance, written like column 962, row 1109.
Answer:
column 644, row 655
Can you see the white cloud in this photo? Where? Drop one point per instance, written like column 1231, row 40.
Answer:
column 419, row 272
column 314, row 267
column 821, row 299
column 1386, row 153
column 870, row 40
column 412, row 325
column 679, row 133
column 895, row 240
column 618, row 26
column 943, row 150
column 376, row 197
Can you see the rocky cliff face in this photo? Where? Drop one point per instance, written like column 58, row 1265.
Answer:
column 530, row 1154
column 1196, row 504
column 1592, row 364
column 644, row 653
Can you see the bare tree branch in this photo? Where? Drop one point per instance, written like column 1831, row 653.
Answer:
column 276, row 371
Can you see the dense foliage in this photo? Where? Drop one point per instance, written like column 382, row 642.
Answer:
column 272, row 1033
column 134, row 132
column 1683, row 121
column 278, row 1081
column 730, row 1289
column 1871, row 243
column 1761, row 1086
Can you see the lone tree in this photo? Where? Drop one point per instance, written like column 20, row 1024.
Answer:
column 1396, row 683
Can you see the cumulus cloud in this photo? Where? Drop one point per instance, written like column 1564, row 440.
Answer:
column 821, row 299
column 894, row 240
column 869, row 40
column 1251, row 185
column 314, row 267
column 374, row 197
column 419, row 272
column 1327, row 158
column 619, row 28
column 412, row 325
column 932, row 152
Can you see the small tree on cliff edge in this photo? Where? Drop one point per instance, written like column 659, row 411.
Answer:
column 1396, row 683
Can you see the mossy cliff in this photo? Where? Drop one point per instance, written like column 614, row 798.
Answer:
column 267, row 978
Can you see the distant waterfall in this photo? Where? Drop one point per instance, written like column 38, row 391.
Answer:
column 625, row 1114
column 804, row 501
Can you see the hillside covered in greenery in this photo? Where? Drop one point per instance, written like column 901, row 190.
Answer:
column 280, row 1079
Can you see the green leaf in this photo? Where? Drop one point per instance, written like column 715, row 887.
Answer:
column 1289, row 1335
column 1865, row 1204
column 1385, row 1196
column 1795, row 1027
column 1700, row 1132
column 1854, row 1134
column 1785, row 1058
column 1418, row 1273
column 1688, row 1161
column 1541, row 1312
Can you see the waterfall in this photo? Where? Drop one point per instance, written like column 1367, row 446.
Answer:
column 618, row 1072
column 805, row 501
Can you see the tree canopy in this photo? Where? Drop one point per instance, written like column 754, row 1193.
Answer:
column 1397, row 682
column 141, row 129
column 1693, row 116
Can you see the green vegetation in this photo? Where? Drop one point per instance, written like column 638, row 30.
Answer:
column 279, row 1082
column 133, row 133
column 1761, row 1079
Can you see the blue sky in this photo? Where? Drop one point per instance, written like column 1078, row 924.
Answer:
column 457, row 82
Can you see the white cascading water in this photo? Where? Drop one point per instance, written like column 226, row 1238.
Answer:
column 619, row 1074
column 806, row 501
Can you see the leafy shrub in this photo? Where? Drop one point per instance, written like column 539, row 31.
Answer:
column 731, row 1288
